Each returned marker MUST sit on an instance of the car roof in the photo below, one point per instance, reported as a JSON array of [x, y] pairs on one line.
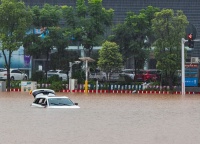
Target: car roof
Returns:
[[10, 69], [57, 70], [49, 96]]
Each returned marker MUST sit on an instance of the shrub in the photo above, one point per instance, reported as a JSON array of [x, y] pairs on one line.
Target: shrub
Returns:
[[54, 78], [56, 86], [15, 84], [38, 76]]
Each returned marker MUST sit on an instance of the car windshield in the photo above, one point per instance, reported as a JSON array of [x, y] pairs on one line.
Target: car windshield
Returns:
[[60, 102], [52, 71]]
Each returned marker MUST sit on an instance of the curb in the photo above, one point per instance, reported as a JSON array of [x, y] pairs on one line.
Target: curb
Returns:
[[116, 91]]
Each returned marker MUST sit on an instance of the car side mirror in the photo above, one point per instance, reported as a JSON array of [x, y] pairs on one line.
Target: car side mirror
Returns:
[[75, 103]]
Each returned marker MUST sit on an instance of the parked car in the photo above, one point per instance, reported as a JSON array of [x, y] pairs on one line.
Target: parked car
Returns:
[[97, 75], [139, 76], [147, 75], [61, 74], [128, 74], [15, 74], [46, 98]]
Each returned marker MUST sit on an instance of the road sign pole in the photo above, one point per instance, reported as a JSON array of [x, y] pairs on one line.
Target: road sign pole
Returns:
[[183, 66]]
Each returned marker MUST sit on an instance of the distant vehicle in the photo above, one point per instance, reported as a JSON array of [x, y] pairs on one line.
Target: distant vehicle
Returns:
[[128, 74], [46, 98], [97, 75], [148, 75], [15, 74], [114, 76], [61, 74]]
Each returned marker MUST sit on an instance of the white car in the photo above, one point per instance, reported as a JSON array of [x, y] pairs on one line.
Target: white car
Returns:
[[15, 74], [129, 73], [46, 98], [61, 74], [98, 75]]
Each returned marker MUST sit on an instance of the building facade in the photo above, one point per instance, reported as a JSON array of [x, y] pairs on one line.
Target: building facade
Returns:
[[191, 9]]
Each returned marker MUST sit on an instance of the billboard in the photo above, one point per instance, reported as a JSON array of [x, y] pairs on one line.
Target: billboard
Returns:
[[18, 59]]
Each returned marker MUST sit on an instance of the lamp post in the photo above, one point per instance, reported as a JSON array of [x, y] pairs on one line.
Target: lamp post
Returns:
[[183, 66], [70, 66], [86, 60], [70, 71]]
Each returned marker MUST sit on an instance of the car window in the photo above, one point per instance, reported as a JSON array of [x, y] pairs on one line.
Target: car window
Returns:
[[60, 102], [41, 101], [14, 71], [52, 71], [62, 72], [128, 71]]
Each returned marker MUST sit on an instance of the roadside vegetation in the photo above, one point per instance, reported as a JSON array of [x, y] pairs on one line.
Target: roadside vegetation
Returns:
[[150, 31]]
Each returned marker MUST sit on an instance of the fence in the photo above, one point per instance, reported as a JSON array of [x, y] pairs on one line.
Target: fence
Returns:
[[105, 87], [99, 87]]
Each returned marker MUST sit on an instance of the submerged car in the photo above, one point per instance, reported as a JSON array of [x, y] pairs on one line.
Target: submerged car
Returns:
[[46, 98]]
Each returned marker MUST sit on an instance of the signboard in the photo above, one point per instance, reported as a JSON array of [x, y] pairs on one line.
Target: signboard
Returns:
[[18, 59], [191, 65], [191, 82]]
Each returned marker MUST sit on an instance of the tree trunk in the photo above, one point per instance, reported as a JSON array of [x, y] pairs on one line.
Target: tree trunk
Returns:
[[170, 83], [47, 63], [7, 66]]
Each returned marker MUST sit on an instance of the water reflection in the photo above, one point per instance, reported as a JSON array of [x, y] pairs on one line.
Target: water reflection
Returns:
[[102, 119]]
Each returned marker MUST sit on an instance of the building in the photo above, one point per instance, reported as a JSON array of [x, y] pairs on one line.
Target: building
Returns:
[[190, 9]]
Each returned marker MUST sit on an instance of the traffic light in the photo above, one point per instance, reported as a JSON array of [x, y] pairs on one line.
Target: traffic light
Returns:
[[190, 41]]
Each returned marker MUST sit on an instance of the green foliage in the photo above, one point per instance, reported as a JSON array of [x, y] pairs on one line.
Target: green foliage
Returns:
[[88, 23], [79, 75], [15, 84], [56, 86], [134, 36], [109, 57], [169, 28], [54, 78], [15, 19], [47, 16], [38, 76]]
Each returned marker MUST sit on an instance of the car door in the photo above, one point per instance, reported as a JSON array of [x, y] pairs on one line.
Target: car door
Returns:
[[63, 75], [16, 74], [39, 102]]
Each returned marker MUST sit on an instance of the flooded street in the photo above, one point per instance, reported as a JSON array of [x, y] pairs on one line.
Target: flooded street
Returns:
[[102, 119]]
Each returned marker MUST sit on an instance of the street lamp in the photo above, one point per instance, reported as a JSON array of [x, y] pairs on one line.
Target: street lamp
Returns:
[[70, 71], [86, 60], [70, 66]]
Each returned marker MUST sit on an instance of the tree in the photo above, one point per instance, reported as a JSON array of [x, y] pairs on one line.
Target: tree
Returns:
[[109, 57], [169, 28], [15, 19], [131, 36], [60, 37], [47, 18], [88, 22]]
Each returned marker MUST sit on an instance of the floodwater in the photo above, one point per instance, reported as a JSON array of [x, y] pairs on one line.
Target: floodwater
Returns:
[[102, 119]]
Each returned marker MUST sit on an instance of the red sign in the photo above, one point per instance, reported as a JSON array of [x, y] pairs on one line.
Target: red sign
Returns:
[[191, 65]]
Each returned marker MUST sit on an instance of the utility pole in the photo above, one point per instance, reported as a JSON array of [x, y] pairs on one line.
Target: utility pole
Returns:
[[183, 63]]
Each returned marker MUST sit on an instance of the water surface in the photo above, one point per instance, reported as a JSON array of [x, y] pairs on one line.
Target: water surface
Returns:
[[102, 119]]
